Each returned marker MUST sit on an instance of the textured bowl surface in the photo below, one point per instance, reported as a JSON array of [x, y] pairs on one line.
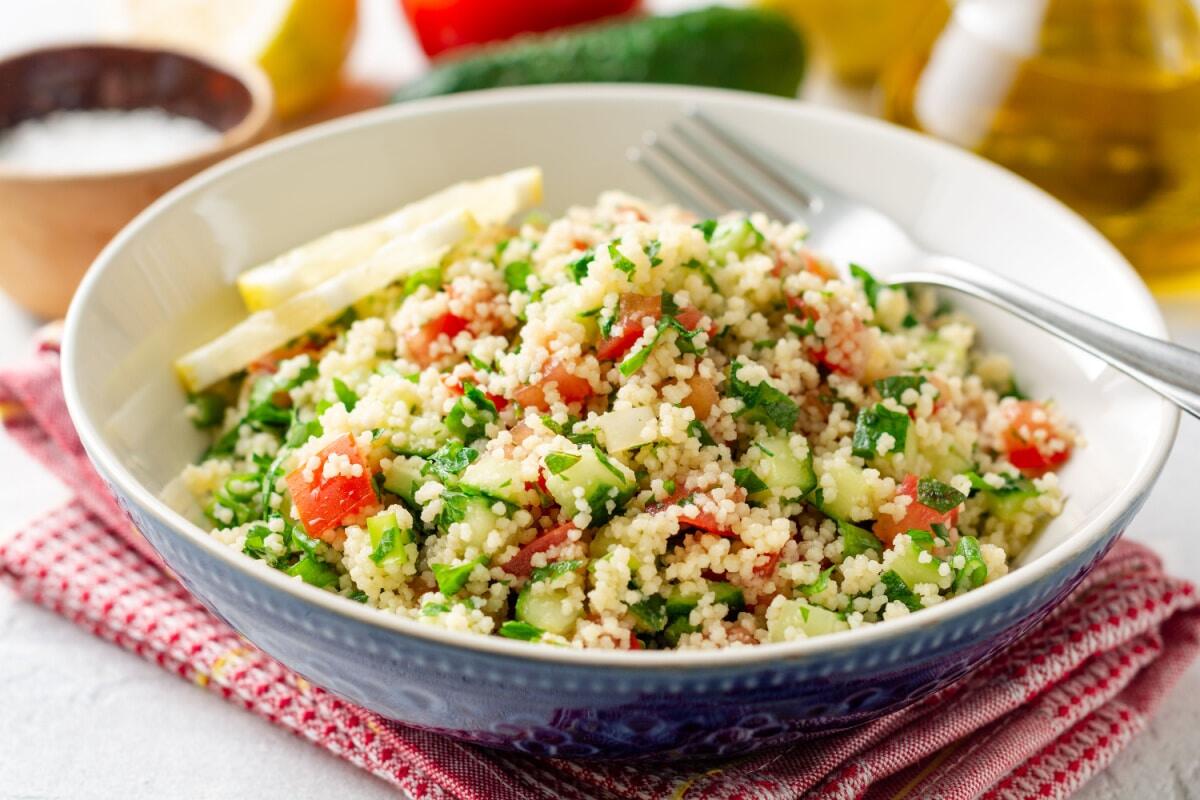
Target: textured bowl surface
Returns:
[[166, 284]]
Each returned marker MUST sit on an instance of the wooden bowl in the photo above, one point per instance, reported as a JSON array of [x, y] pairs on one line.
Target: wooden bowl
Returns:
[[52, 225]]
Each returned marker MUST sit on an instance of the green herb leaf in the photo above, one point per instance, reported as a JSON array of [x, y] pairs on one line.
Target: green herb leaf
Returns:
[[873, 423], [471, 414], [358, 596], [559, 463], [314, 571], [449, 461], [479, 363], [345, 394], [706, 227], [1013, 484], [451, 579], [649, 614], [856, 540], [870, 285], [697, 430], [433, 609], [895, 386], [897, 590], [516, 276], [748, 480], [619, 261], [206, 409], [819, 585], [939, 496], [921, 539], [523, 631], [555, 570], [762, 402], [431, 277], [578, 269], [652, 250], [387, 543]]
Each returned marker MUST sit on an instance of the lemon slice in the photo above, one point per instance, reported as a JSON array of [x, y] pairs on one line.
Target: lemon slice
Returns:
[[300, 44], [490, 201], [269, 329]]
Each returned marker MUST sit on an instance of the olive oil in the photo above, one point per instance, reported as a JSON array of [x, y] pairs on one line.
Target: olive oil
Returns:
[[1097, 101], [856, 37]]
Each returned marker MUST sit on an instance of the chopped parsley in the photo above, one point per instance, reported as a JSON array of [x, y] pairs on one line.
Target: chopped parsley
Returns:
[[939, 496], [516, 276], [895, 386], [578, 269], [431, 277], [449, 461], [522, 631], [706, 227], [697, 430], [749, 480], [872, 424], [347, 396], [819, 585], [762, 402], [619, 261], [856, 540], [554, 570], [559, 463], [469, 417], [451, 579], [898, 591]]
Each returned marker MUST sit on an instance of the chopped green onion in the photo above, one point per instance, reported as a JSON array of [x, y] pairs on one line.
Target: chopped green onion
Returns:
[[974, 570]]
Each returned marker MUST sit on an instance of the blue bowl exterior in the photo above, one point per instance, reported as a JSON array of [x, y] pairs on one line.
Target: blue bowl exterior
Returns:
[[568, 710]]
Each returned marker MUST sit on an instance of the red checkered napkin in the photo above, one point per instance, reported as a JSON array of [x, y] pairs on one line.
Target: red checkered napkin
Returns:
[[1036, 722]]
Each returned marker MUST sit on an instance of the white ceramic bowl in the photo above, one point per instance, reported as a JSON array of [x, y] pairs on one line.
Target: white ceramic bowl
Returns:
[[165, 284]]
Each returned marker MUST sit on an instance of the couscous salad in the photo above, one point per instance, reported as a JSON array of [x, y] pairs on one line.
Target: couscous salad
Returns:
[[623, 428]]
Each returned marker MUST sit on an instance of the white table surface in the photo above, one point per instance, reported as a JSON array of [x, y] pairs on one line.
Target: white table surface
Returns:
[[83, 719]]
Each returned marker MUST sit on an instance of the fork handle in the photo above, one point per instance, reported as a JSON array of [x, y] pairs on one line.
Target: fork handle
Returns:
[[1169, 369]]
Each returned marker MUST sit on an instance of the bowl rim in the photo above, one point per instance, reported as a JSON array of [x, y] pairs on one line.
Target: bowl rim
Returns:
[[257, 120], [1087, 534]]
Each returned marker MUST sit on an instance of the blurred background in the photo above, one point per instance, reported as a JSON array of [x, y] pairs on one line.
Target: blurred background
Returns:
[[1097, 101]]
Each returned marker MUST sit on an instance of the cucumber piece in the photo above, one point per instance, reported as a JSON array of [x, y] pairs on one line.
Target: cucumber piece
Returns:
[[625, 428], [480, 518], [735, 236], [545, 609], [678, 627], [680, 604], [809, 619], [403, 478], [389, 542], [912, 570], [852, 490], [497, 477], [943, 354], [747, 49], [786, 476], [599, 477], [602, 544]]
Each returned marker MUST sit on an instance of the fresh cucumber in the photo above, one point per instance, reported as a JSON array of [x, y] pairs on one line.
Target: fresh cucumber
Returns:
[[787, 476], [680, 604], [809, 619], [738, 237], [912, 570], [389, 542], [545, 608], [852, 490], [600, 478], [498, 477], [403, 478], [749, 49]]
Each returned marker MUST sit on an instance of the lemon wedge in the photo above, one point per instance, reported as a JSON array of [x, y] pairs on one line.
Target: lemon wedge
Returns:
[[300, 44], [491, 201], [271, 328]]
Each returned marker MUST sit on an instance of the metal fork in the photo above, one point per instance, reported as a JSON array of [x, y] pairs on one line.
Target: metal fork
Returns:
[[706, 166]]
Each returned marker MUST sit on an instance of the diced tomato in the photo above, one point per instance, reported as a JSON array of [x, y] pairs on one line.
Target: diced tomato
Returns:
[[420, 341], [325, 502], [702, 397], [1031, 441], [269, 362], [571, 388], [703, 520], [767, 568], [633, 314], [442, 25], [917, 517], [521, 564], [634, 642]]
